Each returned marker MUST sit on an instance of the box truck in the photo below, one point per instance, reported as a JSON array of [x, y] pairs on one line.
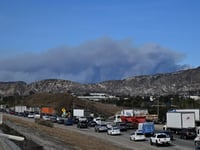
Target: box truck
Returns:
[[146, 128], [196, 112], [177, 121], [78, 113], [19, 110]]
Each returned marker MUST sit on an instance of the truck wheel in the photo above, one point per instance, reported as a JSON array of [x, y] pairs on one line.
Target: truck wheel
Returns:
[[168, 144], [151, 142], [157, 143]]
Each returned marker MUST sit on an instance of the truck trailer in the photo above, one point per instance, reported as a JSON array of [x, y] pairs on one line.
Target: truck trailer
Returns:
[[177, 121], [78, 113], [196, 113], [20, 109]]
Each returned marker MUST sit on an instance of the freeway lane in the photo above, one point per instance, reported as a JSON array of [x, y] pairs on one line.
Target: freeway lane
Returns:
[[123, 140]]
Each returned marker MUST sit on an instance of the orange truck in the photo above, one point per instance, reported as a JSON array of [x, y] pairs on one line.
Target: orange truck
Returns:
[[47, 110]]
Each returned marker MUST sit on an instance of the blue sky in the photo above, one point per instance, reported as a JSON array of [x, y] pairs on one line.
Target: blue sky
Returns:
[[93, 41]]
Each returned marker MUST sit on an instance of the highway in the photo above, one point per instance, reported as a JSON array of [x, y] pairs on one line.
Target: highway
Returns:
[[123, 139]]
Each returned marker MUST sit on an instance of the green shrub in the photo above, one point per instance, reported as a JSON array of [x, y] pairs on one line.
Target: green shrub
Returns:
[[47, 123]]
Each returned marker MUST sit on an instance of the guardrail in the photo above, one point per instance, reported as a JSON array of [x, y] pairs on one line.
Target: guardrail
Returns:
[[12, 137]]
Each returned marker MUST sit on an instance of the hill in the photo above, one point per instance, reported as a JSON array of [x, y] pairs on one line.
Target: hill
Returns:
[[186, 82], [60, 100]]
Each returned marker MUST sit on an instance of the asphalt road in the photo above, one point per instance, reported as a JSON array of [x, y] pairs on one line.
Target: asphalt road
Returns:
[[123, 139]]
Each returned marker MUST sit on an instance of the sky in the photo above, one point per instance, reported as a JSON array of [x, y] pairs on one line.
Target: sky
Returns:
[[91, 41]]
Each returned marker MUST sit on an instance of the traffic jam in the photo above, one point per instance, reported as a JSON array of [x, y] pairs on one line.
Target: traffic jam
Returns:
[[124, 124]]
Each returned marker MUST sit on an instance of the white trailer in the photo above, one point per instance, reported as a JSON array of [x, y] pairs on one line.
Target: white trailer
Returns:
[[179, 120], [78, 113], [20, 109], [196, 112]]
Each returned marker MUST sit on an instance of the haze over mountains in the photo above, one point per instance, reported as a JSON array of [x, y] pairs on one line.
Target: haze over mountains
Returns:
[[91, 62], [186, 82]]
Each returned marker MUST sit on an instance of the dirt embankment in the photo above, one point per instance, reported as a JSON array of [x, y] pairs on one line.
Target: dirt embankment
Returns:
[[57, 138]]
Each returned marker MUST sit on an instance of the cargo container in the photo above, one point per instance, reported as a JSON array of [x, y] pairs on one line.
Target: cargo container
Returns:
[[20, 109], [47, 110], [78, 113], [196, 112], [177, 121]]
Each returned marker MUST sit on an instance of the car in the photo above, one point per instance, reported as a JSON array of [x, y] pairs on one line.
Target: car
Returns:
[[122, 126], [92, 123], [69, 122], [187, 133], [53, 118], [37, 116], [46, 117], [113, 131], [160, 139], [169, 133], [60, 120], [137, 136], [82, 124], [197, 148], [31, 115], [100, 128]]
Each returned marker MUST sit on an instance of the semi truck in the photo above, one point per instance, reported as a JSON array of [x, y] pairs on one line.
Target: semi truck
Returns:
[[132, 117], [176, 121], [20, 109], [47, 110]]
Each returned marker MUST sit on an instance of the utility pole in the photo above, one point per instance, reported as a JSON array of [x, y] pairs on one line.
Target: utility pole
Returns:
[[158, 109]]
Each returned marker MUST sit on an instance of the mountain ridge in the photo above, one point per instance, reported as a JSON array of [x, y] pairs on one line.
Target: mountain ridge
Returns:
[[184, 82]]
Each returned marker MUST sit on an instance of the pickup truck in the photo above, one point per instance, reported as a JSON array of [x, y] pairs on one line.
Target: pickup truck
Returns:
[[160, 139]]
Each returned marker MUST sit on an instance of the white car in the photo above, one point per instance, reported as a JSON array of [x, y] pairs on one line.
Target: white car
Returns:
[[46, 117], [30, 115], [113, 131], [137, 136], [160, 138], [37, 116]]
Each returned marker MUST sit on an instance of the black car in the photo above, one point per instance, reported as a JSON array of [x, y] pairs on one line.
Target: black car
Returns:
[[92, 123], [169, 133], [188, 133], [82, 124], [122, 126]]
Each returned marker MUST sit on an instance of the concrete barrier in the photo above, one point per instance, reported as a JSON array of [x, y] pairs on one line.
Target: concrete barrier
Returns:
[[12, 137]]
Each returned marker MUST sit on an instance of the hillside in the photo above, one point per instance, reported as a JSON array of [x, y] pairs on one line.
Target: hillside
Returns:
[[59, 100], [186, 82]]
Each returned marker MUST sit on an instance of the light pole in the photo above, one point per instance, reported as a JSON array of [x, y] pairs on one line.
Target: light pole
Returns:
[[158, 109]]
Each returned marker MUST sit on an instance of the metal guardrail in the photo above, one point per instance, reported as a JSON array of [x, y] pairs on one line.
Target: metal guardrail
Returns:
[[12, 137]]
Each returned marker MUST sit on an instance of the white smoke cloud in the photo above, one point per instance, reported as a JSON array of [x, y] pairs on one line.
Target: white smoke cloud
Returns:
[[94, 61]]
